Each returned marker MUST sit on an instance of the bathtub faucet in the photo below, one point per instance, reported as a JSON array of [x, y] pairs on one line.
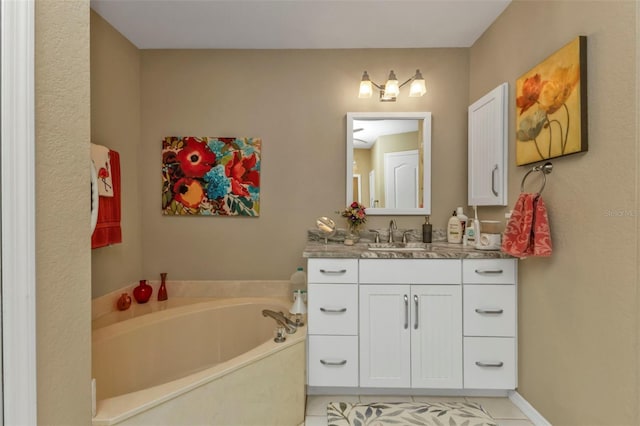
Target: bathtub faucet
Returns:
[[281, 319]]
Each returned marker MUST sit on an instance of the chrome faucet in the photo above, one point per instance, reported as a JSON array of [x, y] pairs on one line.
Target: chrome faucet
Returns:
[[392, 227], [281, 319]]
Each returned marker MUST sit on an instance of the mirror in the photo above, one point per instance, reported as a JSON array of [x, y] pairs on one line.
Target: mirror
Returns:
[[389, 162]]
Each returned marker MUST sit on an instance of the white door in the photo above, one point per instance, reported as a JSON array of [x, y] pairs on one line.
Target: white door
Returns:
[[372, 189], [385, 336], [436, 336], [401, 179]]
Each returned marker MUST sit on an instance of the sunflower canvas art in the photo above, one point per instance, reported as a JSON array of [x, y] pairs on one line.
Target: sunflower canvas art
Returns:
[[211, 176], [551, 106]]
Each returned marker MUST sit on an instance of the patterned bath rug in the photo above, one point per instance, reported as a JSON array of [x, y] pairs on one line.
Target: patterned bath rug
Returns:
[[408, 413]]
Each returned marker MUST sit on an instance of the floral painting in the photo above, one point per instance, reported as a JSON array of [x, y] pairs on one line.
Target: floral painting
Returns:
[[211, 176], [551, 106]]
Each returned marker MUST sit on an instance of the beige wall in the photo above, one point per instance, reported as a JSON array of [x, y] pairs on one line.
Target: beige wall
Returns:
[[115, 123], [578, 310], [63, 265], [296, 101]]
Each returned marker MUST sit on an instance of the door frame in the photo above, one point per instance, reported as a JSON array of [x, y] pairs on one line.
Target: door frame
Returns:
[[17, 146]]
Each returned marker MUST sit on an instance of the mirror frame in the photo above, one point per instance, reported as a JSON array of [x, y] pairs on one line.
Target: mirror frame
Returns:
[[426, 140]]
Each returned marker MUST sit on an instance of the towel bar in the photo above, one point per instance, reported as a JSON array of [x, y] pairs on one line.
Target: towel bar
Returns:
[[546, 168]]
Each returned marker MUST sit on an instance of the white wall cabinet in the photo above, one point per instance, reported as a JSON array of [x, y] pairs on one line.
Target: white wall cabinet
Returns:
[[412, 323], [487, 149]]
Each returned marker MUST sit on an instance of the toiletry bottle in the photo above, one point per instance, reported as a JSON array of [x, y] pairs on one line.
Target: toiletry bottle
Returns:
[[426, 231], [454, 230], [470, 232], [463, 224], [298, 281]]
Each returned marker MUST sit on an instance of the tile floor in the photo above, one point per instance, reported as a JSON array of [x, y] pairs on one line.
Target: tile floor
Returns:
[[501, 409]]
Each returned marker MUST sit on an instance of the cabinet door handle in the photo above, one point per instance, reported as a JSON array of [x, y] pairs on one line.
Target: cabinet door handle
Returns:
[[323, 362], [493, 180], [489, 271], [415, 300], [489, 311], [489, 364], [406, 311], [333, 311], [330, 272]]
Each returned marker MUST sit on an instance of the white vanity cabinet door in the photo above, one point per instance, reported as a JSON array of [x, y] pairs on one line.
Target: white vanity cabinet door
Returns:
[[332, 309], [436, 336], [490, 310], [490, 363], [487, 148], [489, 271], [385, 336], [337, 271], [411, 336], [333, 361]]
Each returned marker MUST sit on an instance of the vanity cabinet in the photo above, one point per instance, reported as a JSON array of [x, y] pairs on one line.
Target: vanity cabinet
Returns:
[[487, 149], [490, 323], [410, 323], [437, 323]]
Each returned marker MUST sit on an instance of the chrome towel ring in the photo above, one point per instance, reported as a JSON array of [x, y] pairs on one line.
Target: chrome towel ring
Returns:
[[546, 168]]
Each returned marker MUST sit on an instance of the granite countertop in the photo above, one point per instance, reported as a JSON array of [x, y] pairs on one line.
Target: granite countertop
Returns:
[[335, 248]]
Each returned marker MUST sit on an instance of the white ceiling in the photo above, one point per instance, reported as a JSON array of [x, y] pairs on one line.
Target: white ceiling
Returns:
[[299, 24], [366, 132]]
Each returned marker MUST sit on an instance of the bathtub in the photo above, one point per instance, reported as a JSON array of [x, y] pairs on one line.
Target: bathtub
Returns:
[[212, 362]]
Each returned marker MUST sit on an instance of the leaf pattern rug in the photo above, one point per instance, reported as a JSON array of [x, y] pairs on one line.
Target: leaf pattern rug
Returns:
[[408, 413]]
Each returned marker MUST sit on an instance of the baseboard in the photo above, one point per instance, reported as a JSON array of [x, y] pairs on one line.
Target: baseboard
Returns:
[[528, 410]]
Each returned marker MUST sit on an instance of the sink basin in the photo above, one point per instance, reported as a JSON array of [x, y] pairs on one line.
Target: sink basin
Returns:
[[398, 246]]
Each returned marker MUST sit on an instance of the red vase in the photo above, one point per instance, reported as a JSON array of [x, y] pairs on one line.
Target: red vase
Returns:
[[142, 293], [162, 292], [124, 302]]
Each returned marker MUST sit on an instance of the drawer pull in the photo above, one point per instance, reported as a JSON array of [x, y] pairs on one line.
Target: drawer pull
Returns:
[[336, 272], [489, 311], [489, 364], [333, 311], [489, 271], [343, 362]]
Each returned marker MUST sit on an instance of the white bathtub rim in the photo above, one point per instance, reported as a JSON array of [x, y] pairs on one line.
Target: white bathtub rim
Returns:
[[149, 319], [131, 404]]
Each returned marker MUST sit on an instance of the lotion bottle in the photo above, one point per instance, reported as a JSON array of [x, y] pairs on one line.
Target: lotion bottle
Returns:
[[454, 229]]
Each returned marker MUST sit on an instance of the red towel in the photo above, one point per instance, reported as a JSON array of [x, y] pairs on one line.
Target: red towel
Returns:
[[527, 232], [108, 229]]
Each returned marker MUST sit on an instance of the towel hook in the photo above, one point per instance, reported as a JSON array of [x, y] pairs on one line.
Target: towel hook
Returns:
[[545, 169]]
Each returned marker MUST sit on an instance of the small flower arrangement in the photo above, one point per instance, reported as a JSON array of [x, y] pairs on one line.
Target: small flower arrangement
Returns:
[[355, 214]]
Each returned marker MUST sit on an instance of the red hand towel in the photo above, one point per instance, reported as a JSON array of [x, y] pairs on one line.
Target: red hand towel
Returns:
[[108, 229], [527, 232]]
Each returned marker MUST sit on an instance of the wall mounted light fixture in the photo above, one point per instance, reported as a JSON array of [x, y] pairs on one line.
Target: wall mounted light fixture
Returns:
[[391, 89]]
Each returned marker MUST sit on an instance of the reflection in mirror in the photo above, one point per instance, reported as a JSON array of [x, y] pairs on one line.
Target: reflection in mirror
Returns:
[[389, 162]]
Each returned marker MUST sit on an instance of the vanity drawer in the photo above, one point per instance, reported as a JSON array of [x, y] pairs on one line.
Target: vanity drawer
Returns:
[[489, 271], [410, 271], [332, 309], [490, 363], [333, 270], [489, 310], [333, 361]]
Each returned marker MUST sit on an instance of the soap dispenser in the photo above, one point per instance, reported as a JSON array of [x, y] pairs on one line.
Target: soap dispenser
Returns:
[[426, 231]]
